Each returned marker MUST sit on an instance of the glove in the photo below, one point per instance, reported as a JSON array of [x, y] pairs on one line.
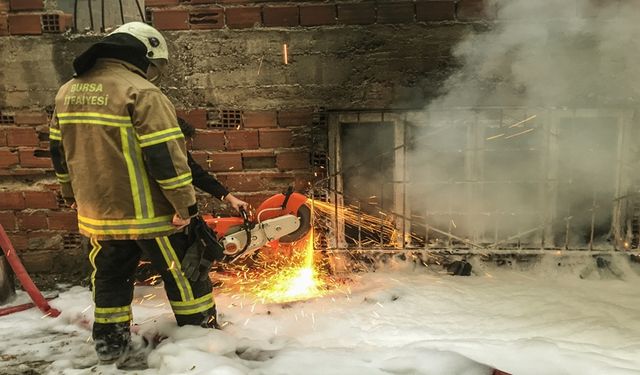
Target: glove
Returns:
[[194, 266]]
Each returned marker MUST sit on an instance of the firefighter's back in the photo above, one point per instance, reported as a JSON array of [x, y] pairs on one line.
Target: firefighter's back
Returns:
[[115, 195]]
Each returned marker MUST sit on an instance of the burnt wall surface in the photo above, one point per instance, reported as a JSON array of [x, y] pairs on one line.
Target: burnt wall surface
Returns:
[[258, 118]]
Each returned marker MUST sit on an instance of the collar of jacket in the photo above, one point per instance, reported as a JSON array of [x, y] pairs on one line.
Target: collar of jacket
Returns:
[[104, 62]]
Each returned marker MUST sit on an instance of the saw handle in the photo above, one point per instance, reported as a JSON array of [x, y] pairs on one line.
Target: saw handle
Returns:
[[247, 227]]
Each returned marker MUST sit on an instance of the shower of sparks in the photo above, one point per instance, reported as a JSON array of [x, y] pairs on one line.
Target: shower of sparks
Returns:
[[384, 225], [520, 133], [495, 136], [279, 278], [523, 121]]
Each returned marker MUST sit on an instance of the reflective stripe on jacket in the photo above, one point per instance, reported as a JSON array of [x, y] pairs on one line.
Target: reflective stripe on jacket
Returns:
[[118, 151]]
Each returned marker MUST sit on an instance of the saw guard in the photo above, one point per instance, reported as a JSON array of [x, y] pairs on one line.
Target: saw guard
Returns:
[[222, 225], [229, 229], [272, 207], [296, 205]]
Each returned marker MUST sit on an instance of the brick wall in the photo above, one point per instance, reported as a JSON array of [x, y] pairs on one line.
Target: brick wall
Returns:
[[257, 118]]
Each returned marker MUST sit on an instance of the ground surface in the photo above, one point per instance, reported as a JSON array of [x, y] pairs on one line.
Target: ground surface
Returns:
[[403, 320]]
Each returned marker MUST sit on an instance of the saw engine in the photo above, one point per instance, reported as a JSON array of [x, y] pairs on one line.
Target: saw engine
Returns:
[[281, 218]]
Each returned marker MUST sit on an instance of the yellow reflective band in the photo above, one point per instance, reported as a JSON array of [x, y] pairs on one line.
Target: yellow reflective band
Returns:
[[95, 122], [201, 304], [126, 226], [159, 133], [55, 134], [63, 178], [175, 182], [171, 259], [112, 310], [93, 114], [174, 179], [133, 180], [145, 181], [160, 140], [114, 232], [131, 222], [199, 300], [160, 137], [92, 259], [113, 314]]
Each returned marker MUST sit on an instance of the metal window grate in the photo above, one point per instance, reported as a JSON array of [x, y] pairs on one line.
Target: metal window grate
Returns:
[[224, 119]]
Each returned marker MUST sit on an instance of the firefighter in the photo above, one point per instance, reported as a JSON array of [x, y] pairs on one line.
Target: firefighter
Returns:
[[121, 160]]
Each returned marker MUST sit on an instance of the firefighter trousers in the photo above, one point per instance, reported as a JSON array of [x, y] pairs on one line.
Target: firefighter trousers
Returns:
[[114, 264]]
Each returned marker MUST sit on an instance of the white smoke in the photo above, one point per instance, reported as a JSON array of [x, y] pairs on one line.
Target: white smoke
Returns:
[[534, 129]]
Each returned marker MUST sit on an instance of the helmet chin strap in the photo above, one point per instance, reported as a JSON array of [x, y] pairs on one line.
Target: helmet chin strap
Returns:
[[153, 74], [155, 70]]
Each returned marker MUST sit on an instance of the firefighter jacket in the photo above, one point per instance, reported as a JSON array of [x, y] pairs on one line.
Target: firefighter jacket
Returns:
[[118, 152]]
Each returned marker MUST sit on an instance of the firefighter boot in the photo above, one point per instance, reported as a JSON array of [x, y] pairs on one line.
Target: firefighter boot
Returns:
[[112, 342]]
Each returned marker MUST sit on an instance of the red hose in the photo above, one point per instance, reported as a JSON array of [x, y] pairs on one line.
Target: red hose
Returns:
[[24, 278]]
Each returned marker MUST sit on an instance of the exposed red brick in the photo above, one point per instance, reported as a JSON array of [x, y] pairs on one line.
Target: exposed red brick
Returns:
[[253, 199], [4, 6], [201, 158], [273, 138], [292, 160], [8, 159], [226, 162], [255, 181], [243, 17], [242, 139], [8, 220], [25, 24], [63, 220], [473, 10], [22, 137], [17, 5], [40, 199], [36, 220], [234, 1], [284, 16], [31, 158], [12, 200], [357, 14], [257, 153], [207, 18], [196, 117], [156, 3], [317, 15], [171, 19], [194, 2], [209, 140], [19, 241], [4, 25], [435, 10], [396, 12], [38, 261], [295, 118], [259, 119], [301, 137]]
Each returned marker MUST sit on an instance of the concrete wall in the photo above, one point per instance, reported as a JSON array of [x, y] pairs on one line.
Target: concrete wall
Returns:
[[256, 116]]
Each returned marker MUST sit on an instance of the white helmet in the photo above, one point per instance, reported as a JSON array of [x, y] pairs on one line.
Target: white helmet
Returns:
[[152, 39]]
